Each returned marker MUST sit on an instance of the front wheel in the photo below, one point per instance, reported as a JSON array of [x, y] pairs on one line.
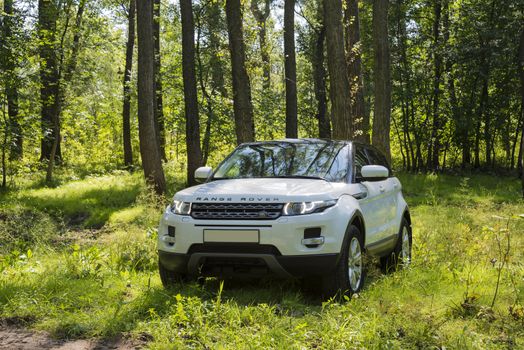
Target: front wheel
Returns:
[[169, 278], [400, 257], [349, 274]]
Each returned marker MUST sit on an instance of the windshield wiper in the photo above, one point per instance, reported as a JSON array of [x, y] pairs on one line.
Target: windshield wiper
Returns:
[[299, 177], [271, 177]]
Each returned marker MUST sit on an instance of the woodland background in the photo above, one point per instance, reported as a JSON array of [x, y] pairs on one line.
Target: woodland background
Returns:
[[94, 92], [435, 83]]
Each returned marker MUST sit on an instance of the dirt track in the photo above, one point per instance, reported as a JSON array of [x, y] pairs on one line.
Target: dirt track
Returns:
[[14, 338]]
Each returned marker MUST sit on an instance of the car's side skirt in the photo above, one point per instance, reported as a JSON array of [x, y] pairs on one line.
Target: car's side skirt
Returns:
[[382, 247]]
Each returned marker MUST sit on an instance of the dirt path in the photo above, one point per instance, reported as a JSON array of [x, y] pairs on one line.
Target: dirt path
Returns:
[[13, 338]]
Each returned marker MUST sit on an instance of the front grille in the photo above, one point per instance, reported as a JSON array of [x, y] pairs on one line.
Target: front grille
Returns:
[[236, 211]]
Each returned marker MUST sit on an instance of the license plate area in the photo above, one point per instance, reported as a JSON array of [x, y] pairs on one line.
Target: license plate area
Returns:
[[232, 236]]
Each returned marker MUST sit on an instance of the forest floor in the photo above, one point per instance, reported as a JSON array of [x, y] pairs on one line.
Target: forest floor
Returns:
[[16, 338], [78, 271]]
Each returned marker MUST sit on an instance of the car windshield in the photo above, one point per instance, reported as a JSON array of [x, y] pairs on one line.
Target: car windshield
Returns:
[[326, 161]]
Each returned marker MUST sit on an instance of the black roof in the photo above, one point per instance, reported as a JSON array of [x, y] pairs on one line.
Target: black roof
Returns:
[[300, 140]]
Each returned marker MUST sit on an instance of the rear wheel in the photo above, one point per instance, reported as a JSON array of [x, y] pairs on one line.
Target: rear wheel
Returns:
[[400, 257], [169, 278], [348, 277]]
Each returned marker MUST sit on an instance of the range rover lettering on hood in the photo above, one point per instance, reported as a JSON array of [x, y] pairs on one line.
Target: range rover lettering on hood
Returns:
[[241, 199]]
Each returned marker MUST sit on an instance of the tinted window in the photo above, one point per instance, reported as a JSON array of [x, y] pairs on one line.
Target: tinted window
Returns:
[[339, 167], [361, 159], [377, 158]]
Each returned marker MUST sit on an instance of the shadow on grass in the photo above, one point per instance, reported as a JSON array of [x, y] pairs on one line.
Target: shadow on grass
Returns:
[[81, 308]]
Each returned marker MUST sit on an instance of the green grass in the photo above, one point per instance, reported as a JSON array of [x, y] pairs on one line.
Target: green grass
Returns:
[[86, 267]]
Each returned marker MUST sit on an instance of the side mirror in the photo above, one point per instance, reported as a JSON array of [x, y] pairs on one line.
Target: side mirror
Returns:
[[203, 173], [374, 172]]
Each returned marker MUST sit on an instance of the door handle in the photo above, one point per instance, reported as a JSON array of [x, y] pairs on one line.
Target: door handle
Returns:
[[395, 185], [382, 188]]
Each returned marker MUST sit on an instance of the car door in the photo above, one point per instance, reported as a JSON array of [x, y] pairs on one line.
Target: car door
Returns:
[[388, 188], [370, 197]]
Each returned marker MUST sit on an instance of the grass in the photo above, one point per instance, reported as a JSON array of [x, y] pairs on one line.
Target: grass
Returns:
[[85, 266]]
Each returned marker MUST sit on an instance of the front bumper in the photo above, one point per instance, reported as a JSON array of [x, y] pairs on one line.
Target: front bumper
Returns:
[[248, 264], [280, 248]]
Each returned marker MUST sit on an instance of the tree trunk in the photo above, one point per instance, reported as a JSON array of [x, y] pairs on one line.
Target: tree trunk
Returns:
[[73, 59], [319, 81], [521, 75], [215, 24], [5, 140], [453, 101], [159, 105], [435, 142], [290, 69], [49, 76], [8, 65], [214, 27], [194, 153], [482, 114], [149, 148], [516, 138], [338, 77], [407, 93], [261, 17], [356, 80], [242, 105], [382, 81], [126, 111], [54, 147], [66, 69]]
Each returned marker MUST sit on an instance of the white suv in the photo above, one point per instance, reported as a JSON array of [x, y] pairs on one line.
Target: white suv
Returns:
[[306, 208]]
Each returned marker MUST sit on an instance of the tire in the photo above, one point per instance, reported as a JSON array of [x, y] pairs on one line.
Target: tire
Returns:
[[349, 274], [169, 278], [400, 257]]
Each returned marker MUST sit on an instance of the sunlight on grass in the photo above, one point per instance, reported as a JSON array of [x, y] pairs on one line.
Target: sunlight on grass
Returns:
[[131, 215]]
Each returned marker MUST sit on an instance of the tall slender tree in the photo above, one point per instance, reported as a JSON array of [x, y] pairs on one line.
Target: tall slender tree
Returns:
[[319, 79], [49, 76], [149, 147], [354, 60], [382, 80], [194, 152], [338, 77], [434, 141], [290, 65], [8, 64], [126, 110], [242, 104], [521, 76], [159, 104], [261, 17]]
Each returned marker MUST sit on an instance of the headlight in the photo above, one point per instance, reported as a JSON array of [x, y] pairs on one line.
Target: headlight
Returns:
[[181, 208], [301, 208]]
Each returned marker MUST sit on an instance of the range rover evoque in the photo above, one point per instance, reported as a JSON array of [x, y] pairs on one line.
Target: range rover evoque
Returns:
[[302, 208]]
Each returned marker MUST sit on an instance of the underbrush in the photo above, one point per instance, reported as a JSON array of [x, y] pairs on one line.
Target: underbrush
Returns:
[[98, 276]]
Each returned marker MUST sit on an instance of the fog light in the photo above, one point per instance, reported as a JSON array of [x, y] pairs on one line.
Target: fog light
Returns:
[[313, 242], [168, 240]]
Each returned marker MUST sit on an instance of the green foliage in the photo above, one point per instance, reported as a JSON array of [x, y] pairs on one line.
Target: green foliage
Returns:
[[22, 228]]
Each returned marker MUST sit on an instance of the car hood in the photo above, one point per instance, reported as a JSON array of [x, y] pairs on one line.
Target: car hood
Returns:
[[261, 190]]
